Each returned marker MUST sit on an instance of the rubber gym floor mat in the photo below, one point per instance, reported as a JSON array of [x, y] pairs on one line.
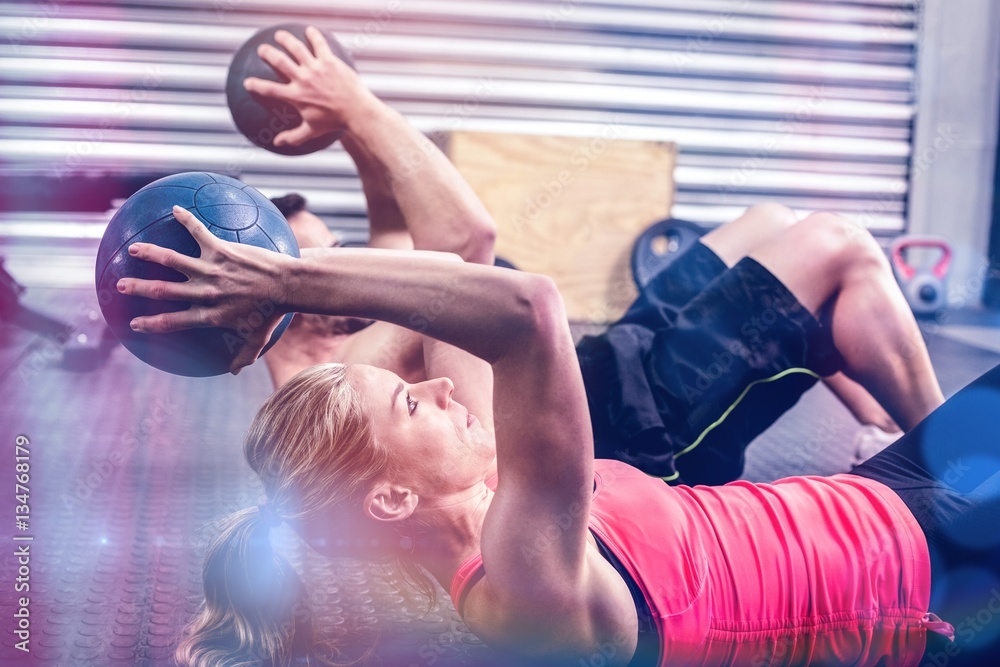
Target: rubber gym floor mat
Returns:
[[128, 469], [957, 363]]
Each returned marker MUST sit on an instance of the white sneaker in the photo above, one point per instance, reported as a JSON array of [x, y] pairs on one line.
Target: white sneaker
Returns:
[[869, 441]]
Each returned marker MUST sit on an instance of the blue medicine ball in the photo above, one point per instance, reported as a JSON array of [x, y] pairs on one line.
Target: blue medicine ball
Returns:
[[231, 210]]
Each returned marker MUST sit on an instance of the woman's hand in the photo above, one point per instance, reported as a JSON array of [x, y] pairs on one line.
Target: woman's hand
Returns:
[[327, 93], [227, 283]]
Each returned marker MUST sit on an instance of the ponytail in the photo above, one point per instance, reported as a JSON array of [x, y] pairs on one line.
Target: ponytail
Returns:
[[312, 445], [254, 611]]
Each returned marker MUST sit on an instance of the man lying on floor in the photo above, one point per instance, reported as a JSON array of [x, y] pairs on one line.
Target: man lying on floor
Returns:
[[713, 351]]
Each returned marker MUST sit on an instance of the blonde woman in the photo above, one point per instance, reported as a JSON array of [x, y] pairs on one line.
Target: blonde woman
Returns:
[[483, 477]]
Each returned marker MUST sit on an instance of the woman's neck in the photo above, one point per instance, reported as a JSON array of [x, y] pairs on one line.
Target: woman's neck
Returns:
[[449, 534]]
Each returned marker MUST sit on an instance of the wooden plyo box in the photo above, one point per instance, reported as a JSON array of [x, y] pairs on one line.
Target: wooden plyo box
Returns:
[[569, 207]]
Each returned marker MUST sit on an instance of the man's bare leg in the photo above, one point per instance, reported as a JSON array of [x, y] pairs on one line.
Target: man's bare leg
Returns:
[[836, 269], [861, 403], [759, 226]]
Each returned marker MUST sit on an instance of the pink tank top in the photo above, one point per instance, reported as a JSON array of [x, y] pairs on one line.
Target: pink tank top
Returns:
[[807, 570]]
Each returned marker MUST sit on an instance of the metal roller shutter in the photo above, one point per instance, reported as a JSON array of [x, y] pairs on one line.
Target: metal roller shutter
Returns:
[[806, 103]]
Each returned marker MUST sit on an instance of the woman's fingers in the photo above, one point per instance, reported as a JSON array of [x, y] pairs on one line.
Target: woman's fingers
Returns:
[[160, 290], [299, 51], [196, 228], [278, 60], [166, 257], [319, 44], [193, 318]]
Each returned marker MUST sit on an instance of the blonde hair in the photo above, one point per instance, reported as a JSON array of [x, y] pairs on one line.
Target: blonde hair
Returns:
[[312, 445]]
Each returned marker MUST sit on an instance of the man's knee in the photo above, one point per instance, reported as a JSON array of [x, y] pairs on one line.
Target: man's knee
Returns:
[[773, 210], [776, 216], [758, 227], [837, 242]]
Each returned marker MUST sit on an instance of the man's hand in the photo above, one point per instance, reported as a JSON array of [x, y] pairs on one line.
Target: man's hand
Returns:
[[228, 281], [327, 93]]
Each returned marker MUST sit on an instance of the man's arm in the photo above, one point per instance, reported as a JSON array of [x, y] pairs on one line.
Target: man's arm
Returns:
[[410, 185], [416, 198], [403, 172], [387, 226], [463, 228]]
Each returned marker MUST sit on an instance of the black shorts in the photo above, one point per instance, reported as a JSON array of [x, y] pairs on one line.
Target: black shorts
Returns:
[[947, 472], [703, 362]]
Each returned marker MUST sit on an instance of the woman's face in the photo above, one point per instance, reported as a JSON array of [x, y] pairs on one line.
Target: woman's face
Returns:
[[437, 445]]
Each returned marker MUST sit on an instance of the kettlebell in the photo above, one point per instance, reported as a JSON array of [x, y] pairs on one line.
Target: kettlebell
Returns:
[[925, 288]]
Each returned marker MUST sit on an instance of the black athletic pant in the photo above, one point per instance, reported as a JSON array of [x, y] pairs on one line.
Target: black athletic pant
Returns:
[[947, 471]]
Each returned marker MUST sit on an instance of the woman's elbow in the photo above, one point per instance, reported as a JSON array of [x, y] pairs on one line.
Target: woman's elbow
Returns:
[[547, 312]]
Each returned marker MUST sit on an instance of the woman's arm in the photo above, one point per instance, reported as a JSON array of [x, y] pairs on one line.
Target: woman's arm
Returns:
[[515, 321], [541, 584]]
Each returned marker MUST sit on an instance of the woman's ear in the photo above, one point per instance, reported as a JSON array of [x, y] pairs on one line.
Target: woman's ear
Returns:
[[387, 502]]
